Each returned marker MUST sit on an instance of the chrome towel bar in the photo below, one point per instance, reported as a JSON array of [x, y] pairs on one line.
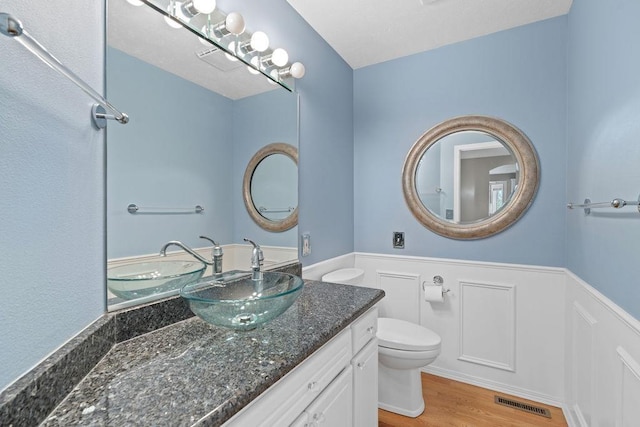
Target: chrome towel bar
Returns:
[[11, 27], [616, 203], [135, 209]]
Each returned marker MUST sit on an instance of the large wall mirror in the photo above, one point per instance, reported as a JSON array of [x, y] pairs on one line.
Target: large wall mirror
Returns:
[[197, 118], [470, 177]]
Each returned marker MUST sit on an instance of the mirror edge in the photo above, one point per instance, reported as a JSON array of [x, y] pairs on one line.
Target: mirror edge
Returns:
[[267, 224], [517, 142]]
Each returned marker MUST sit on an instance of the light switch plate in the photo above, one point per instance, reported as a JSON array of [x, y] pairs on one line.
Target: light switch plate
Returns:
[[306, 244], [398, 239]]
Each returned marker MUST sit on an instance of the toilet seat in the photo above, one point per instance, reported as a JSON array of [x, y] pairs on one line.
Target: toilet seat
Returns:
[[402, 335], [346, 276]]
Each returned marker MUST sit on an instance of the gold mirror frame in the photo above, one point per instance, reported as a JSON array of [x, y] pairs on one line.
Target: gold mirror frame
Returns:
[[265, 223], [528, 182]]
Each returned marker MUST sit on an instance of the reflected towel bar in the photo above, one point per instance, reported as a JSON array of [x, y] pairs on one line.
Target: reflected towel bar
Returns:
[[615, 203], [11, 27], [275, 210], [135, 209]]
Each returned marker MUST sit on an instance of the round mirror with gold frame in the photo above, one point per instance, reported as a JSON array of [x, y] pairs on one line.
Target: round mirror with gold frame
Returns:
[[470, 177], [270, 187]]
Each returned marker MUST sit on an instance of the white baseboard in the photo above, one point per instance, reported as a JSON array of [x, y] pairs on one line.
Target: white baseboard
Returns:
[[493, 385]]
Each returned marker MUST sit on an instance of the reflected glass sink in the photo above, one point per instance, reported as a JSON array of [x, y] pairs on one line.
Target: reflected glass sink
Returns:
[[234, 300], [142, 279]]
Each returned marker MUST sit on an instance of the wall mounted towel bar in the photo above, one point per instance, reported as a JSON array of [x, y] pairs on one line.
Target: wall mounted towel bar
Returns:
[[275, 210], [135, 209], [615, 203], [11, 27]]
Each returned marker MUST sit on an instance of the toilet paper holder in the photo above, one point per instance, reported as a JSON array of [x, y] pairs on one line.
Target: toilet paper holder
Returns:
[[437, 281]]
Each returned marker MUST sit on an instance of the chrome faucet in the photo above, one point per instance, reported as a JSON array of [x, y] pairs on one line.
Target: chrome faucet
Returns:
[[217, 253], [257, 258]]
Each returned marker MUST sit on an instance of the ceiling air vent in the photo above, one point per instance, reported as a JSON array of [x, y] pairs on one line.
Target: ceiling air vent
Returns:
[[544, 412], [215, 57]]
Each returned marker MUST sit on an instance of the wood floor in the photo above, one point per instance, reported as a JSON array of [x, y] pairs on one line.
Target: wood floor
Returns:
[[452, 403]]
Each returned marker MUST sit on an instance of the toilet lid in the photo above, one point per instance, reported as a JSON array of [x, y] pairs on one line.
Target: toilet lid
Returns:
[[403, 335], [344, 275]]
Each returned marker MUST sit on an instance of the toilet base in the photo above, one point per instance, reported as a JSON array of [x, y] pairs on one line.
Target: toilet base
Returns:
[[400, 391]]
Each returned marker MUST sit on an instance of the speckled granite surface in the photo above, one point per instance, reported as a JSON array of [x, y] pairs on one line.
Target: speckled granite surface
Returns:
[[192, 371], [32, 397], [28, 401]]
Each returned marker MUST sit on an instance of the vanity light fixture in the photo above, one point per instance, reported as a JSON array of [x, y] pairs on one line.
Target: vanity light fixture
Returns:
[[232, 48], [255, 65], [279, 58], [135, 2], [232, 24], [259, 42], [194, 7], [176, 10], [252, 49], [295, 70]]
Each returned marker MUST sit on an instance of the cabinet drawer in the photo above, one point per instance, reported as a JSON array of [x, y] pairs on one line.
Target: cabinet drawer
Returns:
[[364, 329], [283, 402]]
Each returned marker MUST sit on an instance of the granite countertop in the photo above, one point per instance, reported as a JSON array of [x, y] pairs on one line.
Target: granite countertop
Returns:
[[192, 371]]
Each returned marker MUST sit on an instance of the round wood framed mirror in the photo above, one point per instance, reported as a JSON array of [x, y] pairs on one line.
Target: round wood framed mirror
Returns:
[[270, 187], [470, 177]]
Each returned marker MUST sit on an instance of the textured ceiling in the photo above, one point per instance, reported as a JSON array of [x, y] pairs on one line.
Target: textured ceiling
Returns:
[[369, 32]]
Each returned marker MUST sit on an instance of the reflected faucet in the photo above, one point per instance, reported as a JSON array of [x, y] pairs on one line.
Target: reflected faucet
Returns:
[[217, 253], [257, 258]]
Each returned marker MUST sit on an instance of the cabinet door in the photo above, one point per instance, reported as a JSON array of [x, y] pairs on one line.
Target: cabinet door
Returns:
[[365, 386], [334, 406]]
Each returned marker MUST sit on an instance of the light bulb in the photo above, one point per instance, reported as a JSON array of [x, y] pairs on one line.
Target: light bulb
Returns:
[[206, 35], [256, 63], [274, 75], [280, 57], [175, 10], [234, 23], [297, 70], [135, 2], [232, 48], [204, 6], [259, 41], [171, 22]]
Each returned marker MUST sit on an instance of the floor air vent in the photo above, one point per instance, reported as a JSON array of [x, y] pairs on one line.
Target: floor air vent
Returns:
[[543, 412]]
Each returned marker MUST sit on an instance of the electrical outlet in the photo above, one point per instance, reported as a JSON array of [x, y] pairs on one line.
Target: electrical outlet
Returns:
[[398, 239], [306, 244]]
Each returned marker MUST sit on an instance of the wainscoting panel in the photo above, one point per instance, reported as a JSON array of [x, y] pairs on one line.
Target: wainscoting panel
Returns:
[[574, 347], [402, 295], [487, 320], [629, 396], [508, 320], [582, 353], [603, 374]]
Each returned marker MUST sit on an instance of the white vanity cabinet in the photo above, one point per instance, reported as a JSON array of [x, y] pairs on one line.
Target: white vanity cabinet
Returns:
[[332, 387], [365, 369], [333, 407]]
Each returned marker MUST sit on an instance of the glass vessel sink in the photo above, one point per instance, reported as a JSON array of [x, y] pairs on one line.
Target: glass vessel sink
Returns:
[[142, 279], [235, 300]]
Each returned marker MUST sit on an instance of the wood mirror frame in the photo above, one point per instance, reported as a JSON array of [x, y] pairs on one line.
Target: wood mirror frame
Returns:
[[265, 223], [513, 138]]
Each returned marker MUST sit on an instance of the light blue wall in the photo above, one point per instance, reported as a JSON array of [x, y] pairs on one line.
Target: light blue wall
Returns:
[[518, 75], [604, 146], [326, 125], [258, 121], [175, 152], [52, 256]]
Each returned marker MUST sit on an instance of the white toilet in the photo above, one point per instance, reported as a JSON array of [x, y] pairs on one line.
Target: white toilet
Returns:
[[403, 348]]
